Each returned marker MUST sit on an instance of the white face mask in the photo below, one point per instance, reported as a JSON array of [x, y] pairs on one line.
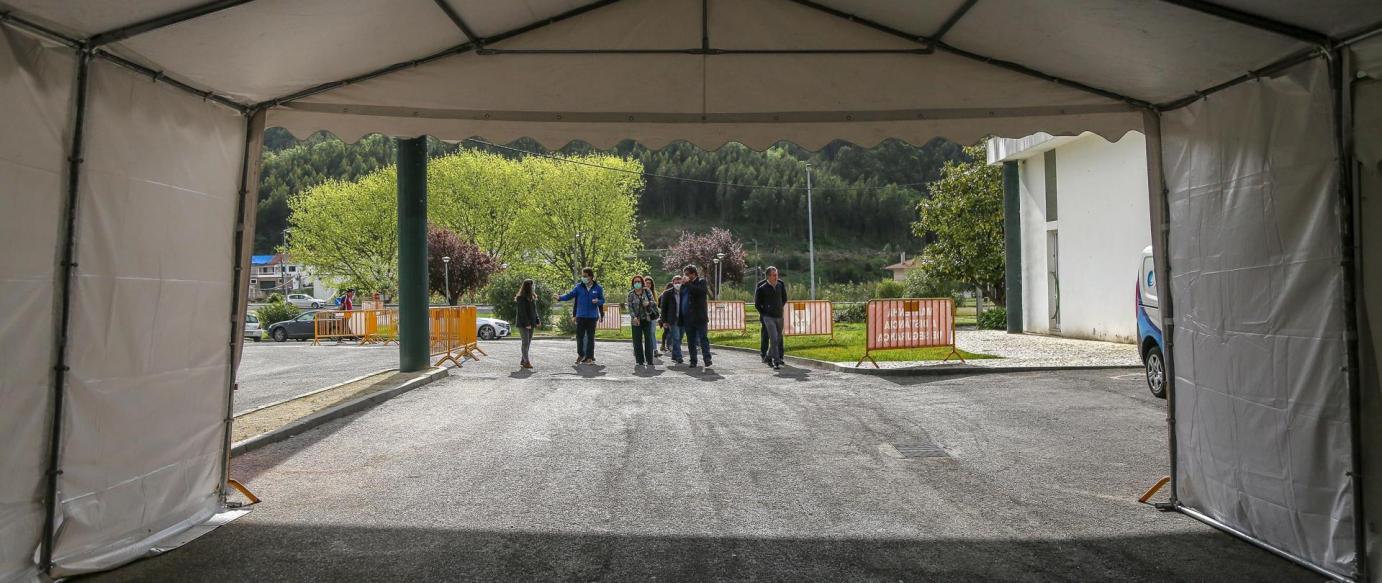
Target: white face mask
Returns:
[[676, 286]]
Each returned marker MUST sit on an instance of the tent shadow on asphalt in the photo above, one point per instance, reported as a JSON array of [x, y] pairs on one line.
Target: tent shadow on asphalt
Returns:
[[326, 552]]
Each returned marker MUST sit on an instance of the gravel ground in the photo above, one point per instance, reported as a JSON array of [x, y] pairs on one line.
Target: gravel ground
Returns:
[[1024, 350], [613, 473]]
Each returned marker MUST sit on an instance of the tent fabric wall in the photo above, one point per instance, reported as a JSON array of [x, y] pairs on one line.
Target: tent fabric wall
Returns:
[[148, 336], [1262, 403], [36, 88]]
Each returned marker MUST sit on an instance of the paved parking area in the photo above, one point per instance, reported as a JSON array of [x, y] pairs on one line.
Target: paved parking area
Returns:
[[272, 371], [737, 473]]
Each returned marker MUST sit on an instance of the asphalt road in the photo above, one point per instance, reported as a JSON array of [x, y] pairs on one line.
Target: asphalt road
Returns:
[[272, 371], [739, 473]]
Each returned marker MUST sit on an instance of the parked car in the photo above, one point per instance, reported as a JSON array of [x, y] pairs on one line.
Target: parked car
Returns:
[[491, 328], [305, 301], [252, 330], [1149, 339], [299, 328]]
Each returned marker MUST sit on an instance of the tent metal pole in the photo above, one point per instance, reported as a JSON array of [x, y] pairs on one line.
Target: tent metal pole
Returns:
[[38, 29], [1160, 207], [953, 20], [1197, 515], [243, 240], [413, 351], [1012, 245], [1340, 71], [160, 77], [1259, 22], [68, 268], [456, 50], [883, 28], [460, 23], [158, 22]]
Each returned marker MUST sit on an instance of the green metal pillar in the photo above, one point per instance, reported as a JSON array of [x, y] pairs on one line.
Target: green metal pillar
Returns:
[[413, 353], [1012, 243]]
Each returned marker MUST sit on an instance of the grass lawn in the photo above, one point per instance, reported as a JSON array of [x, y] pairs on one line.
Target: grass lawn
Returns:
[[847, 346]]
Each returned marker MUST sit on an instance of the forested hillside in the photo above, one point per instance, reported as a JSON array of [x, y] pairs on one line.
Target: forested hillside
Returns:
[[864, 199]]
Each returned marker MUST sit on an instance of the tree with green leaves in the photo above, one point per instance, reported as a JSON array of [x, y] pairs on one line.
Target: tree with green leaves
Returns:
[[480, 197], [347, 231], [581, 216], [964, 214]]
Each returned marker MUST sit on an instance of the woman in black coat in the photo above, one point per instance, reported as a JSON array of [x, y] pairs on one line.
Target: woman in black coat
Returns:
[[528, 319]]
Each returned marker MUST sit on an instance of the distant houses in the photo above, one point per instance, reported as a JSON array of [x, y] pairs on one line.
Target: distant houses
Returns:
[[278, 274], [902, 266]]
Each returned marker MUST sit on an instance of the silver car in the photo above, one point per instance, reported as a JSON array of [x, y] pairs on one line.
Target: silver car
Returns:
[[252, 330]]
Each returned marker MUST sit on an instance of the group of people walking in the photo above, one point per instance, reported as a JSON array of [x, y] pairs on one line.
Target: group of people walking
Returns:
[[680, 310]]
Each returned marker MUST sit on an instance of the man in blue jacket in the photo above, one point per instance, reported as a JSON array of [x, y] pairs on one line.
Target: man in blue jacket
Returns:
[[695, 315], [589, 297]]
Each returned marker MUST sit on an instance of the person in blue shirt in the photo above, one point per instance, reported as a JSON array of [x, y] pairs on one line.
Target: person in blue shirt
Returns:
[[589, 297]]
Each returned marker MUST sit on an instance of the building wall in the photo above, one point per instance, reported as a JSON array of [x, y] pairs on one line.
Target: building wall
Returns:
[[1103, 225], [1031, 172]]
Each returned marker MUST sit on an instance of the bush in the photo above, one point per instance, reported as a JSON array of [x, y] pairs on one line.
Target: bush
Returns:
[[855, 312], [275, 298], [888, 289], [503, 286], [994, 319], [922, 284], [275, 312], [565, 322]]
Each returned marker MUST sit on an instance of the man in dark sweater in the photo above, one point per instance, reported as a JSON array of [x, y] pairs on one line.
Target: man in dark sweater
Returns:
[[762, 334], [770, 299], [694, 313], [670, 306]]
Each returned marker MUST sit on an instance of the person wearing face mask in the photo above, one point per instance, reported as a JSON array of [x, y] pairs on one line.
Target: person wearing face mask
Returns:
[[588, 297], [642, 311], [651, 286], [668, 304]]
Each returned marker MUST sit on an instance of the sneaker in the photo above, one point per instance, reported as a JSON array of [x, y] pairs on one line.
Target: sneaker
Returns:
[[590, 360], [777, 366], [707, 362], [693, 364]]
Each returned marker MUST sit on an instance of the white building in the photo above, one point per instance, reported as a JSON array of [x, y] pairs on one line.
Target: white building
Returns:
[[1085, 221], [270, 274]]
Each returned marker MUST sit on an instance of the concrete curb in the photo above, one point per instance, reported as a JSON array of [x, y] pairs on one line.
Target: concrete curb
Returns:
[[315, 391], [933, 370], [334, 412]]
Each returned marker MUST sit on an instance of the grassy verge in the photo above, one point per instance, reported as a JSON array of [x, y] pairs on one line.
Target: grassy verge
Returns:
[[847, 345]]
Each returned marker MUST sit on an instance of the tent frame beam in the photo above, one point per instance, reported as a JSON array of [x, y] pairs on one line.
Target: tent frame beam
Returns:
[[1280, 65], [456, 50], [157, 22], [1256, 21], [928, 45], [952, 20], [156, 76], [455, 17]]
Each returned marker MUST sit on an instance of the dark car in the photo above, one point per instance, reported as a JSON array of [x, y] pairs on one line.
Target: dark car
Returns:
[[299, 328]]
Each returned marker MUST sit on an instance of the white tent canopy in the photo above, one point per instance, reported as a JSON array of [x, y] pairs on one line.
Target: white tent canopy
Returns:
[[129, 161]]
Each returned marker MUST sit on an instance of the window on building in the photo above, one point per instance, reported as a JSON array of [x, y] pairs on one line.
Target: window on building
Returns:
[[1049, 160]]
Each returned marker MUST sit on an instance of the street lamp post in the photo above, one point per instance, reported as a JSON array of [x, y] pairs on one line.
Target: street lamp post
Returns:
[[446, 277], [718, 258], [810, 232]]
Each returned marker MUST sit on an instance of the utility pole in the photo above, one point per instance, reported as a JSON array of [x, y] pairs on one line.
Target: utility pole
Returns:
[[810, 232]]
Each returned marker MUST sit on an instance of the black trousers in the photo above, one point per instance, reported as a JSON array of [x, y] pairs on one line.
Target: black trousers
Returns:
[[585, 337]]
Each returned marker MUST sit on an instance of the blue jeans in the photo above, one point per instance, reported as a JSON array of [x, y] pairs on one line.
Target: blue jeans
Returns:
[[672, 335], [697, 336], [643, 336]]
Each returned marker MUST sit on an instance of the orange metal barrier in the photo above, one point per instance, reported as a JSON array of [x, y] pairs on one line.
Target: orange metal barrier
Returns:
[[453, 332], [910, 323], [808, 318], [614, 317], [725, 315], [367, 326]]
